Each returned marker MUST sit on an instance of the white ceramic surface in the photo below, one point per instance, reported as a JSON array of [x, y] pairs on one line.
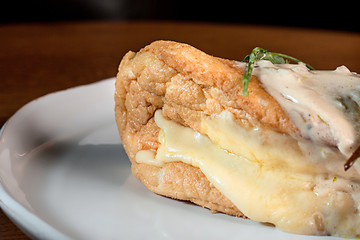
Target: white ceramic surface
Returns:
[[65, 175]]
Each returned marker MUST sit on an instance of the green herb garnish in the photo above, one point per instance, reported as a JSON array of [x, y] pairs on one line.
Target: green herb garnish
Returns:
[[262, 54]]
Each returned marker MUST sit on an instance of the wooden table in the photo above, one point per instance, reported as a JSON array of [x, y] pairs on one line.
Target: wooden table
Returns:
[[36, 59]]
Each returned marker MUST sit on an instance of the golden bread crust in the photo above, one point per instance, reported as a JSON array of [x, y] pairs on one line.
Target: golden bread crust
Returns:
[[186, 84]]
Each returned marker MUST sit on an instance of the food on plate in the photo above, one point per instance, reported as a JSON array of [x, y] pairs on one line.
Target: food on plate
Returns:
[[263, 139]]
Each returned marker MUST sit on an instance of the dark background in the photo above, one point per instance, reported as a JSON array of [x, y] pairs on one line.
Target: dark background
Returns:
[[333, 15]]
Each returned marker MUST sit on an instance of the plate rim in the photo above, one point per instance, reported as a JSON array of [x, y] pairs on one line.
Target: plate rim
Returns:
[[23, 218]]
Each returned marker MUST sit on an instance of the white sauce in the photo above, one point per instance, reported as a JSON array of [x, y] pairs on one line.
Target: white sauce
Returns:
[[324, 105]]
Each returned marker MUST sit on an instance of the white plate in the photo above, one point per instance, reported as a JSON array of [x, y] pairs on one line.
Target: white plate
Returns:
[[65, 175]]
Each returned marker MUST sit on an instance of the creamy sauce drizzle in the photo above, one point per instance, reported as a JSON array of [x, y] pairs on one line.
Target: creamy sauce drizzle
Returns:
[[324, 105]]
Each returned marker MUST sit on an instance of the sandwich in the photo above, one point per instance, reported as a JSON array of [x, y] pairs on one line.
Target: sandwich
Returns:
[[263, 139]]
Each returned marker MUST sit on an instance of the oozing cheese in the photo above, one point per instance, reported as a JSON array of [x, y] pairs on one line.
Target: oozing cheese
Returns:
[[270, 177]]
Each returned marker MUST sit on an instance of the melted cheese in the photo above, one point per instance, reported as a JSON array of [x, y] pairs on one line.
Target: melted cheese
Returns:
[[270, 177]]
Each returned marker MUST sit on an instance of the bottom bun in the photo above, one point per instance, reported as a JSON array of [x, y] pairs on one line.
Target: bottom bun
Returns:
[[184, 182]]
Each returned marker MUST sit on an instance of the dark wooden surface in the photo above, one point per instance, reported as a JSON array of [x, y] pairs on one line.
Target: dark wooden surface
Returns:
[[36, 59]]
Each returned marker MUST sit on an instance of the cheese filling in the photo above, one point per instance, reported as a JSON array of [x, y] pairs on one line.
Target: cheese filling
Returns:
[[270, 177]]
